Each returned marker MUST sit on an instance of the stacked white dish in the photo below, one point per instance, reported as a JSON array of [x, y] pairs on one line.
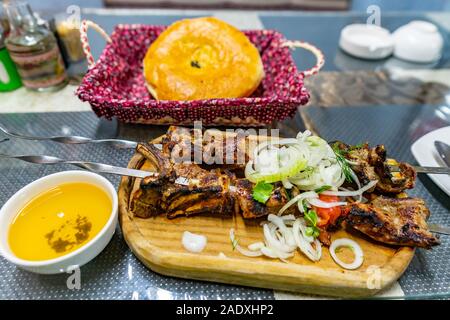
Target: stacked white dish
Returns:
[[417, 41]]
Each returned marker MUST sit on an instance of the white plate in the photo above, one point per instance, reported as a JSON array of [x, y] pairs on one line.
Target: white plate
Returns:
[[426, 155]]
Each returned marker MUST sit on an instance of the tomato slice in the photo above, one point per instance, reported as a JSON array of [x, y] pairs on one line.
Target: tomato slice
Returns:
[[327, 216]]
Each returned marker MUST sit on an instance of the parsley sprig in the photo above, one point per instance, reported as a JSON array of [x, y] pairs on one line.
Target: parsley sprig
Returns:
[[234, 243], [311, 222], [262, 191]]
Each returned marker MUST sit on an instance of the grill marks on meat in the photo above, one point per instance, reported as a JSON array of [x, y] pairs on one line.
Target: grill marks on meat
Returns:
[[198, 191], [372, 164], [180, 189], [206, 191], [229, 150], [251, 208], [397, 221]]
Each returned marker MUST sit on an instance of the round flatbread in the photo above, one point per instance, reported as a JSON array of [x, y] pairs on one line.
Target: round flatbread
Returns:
[[202, 58]]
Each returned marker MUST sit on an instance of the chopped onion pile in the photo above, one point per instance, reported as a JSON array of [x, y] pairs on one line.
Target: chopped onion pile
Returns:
[[282, 236], [307, 162]]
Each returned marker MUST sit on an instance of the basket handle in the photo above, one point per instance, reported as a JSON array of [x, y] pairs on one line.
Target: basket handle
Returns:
[[85, 24], [320, 59]]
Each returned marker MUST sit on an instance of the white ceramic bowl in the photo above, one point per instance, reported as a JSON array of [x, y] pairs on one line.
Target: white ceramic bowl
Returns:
[[75, 258], [366, 41], [418, 41]]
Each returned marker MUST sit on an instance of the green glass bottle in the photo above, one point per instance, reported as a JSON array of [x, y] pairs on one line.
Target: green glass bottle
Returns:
[[9, 78]]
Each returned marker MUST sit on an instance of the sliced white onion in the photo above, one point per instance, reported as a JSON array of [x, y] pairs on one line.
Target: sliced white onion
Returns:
[[288, 217], [279, 222], [287, 184], [286, 160], [193, 242], [305, 245], [301, 196], [302, 225], [357, 251], [256, 246], [351, 193], [243, 251], [273, 253], [269, 253], [355, 178], [274, 243]]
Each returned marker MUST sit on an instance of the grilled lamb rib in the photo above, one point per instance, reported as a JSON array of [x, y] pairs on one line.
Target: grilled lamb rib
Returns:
[[180, 189], [230, 150], [372, 164], [185, 189], [398, 221]]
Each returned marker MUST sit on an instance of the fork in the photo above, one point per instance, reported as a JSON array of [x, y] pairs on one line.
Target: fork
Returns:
[[117, 143]]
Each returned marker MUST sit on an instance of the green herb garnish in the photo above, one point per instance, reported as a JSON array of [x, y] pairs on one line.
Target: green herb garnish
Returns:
[[356, 146], [305, 207], [311, 218], [346, 170], [234, 243], [322, 189], [262, 191], [312, 232], [311, 221]]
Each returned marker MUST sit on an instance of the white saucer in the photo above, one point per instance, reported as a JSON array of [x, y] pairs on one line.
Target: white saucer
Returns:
[[366, 41], [426, 155]]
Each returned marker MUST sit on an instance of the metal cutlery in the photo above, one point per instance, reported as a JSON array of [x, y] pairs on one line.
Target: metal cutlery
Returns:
[[117, 143], [91, 166], [432, 170], [438, 228], [443, 150], [127, 144]]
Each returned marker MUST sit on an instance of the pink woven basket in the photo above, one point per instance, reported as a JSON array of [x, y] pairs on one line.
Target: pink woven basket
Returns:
[[115, 86]]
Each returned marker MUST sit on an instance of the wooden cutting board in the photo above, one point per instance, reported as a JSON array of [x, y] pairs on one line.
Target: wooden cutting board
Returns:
[[157, 243]]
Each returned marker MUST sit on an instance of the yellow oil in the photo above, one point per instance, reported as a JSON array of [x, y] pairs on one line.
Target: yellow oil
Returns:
[[59, 221]]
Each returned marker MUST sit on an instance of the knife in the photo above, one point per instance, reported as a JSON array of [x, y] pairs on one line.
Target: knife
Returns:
[[438, 228], [443, 150]]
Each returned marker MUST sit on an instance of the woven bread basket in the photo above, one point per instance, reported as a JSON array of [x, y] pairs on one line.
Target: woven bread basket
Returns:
[[115, 86]]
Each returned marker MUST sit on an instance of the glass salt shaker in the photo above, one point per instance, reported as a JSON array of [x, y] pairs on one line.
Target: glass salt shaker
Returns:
[[34, 50]]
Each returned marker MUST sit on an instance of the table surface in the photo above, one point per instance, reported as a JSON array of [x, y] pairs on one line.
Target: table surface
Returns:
[[406, 99]]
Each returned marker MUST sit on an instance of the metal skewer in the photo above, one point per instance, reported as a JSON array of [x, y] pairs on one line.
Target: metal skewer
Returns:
[[127, 144], [91, 166], [117, 143]]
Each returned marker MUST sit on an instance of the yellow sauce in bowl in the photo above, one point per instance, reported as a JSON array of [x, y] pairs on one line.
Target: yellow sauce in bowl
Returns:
[[59, 221]]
